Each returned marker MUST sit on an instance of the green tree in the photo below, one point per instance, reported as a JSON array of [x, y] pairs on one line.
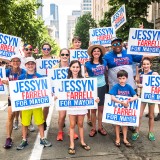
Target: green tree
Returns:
[[83, 25], [136, 13]]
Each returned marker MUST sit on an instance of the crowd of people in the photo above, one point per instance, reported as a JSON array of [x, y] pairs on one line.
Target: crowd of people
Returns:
[[113, 69]]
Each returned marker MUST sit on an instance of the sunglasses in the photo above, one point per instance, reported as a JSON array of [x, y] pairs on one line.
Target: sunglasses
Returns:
[[28, 49], [64, 54], [116, 44], [46, 49]]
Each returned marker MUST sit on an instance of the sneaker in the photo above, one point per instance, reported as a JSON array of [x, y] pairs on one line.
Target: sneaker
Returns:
[[60, 136], [45, 142], [45, 125], [8, 143], [31, 128], [131, 128], [135, 136], [151, 136], [157, 118], [22, 145], [15, 125]]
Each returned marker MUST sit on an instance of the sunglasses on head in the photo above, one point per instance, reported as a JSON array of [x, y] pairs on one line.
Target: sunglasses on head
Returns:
[[64, 54], [28, 49], [46, 49], [116, 44]]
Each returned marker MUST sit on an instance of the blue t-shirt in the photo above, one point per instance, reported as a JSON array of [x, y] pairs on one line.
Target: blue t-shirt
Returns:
[[113, 60], [29, 76], [126, 90], [97, 70], [14, 76]]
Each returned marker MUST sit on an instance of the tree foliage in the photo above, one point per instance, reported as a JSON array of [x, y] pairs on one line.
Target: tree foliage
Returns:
[[18, 18], [136, 13], [83, 25]]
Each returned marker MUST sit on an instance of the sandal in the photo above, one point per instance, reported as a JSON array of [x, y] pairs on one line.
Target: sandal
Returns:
[[86, 147], [128, 144], [92, 133], [102, 131], [117, 144], [71, 151]]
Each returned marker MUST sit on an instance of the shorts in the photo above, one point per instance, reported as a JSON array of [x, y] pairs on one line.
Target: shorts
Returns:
[[149, 104], [37, 114], [101, 95]]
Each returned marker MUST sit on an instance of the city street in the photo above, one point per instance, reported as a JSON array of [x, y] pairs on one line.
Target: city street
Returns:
[[102, 148]]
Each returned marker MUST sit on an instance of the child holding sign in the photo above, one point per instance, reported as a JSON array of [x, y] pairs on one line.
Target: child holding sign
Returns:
[[30, 64], [146, 65], [122, 89], [76, 116]]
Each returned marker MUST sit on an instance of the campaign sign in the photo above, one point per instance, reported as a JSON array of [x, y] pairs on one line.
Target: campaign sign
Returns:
[[116, 113], [80, 55], [102, 36], [144, 42], [3, 88], [76, 94], [9, 45], [57, 74], [30, 93], [151, 89], [43, 65], [119, 18]]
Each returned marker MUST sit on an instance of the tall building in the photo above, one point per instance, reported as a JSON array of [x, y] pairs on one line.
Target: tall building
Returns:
[[71, 23], [40, 9], [86, 6], [99, 7]]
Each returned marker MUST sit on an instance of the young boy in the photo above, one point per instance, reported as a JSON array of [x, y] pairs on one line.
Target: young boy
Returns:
[[30, 64], [122, 89]]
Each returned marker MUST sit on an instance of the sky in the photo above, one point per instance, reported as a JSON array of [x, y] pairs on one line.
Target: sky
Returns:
[[65, 8]]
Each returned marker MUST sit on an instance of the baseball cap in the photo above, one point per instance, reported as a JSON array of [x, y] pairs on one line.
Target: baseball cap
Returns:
[[15, 56], [30, 59], [27, 46], [115, 39]]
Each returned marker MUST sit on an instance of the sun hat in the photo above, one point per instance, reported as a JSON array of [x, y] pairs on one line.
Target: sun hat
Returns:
[[115, 39], [30, 59], [15, 56], [90, 48]]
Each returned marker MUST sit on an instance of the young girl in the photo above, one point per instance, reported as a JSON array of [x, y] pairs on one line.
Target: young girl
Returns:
[[76, 116], [146, 65], [12, 73]]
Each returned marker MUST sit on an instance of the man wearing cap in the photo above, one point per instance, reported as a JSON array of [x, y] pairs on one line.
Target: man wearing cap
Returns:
[[12, 74], [118, 59]]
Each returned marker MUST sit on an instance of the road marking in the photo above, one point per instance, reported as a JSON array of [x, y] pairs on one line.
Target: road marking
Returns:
[[37, 149]]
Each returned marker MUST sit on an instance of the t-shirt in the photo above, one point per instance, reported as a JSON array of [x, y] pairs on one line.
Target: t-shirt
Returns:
[[97, 71], [117, 62], [29, 76], [126, 90], [14, 76]]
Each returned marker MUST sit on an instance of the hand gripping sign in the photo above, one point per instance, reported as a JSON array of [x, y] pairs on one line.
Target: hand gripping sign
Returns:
[[102, 36], [151, 89], [30, 93], [116, 113], [43, 65], [3, 88], [9, 45], [76, 94], [144, 42], [119, 18]]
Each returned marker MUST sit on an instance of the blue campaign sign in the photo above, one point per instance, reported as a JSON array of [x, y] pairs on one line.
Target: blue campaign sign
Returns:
[[3, 88], [9, 45], [76, 94], [102, 36], [80, 55], [116, 113], [119, 18], [30, 93], [151, 89], [144, 42], [57, 74], [44, 65]]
